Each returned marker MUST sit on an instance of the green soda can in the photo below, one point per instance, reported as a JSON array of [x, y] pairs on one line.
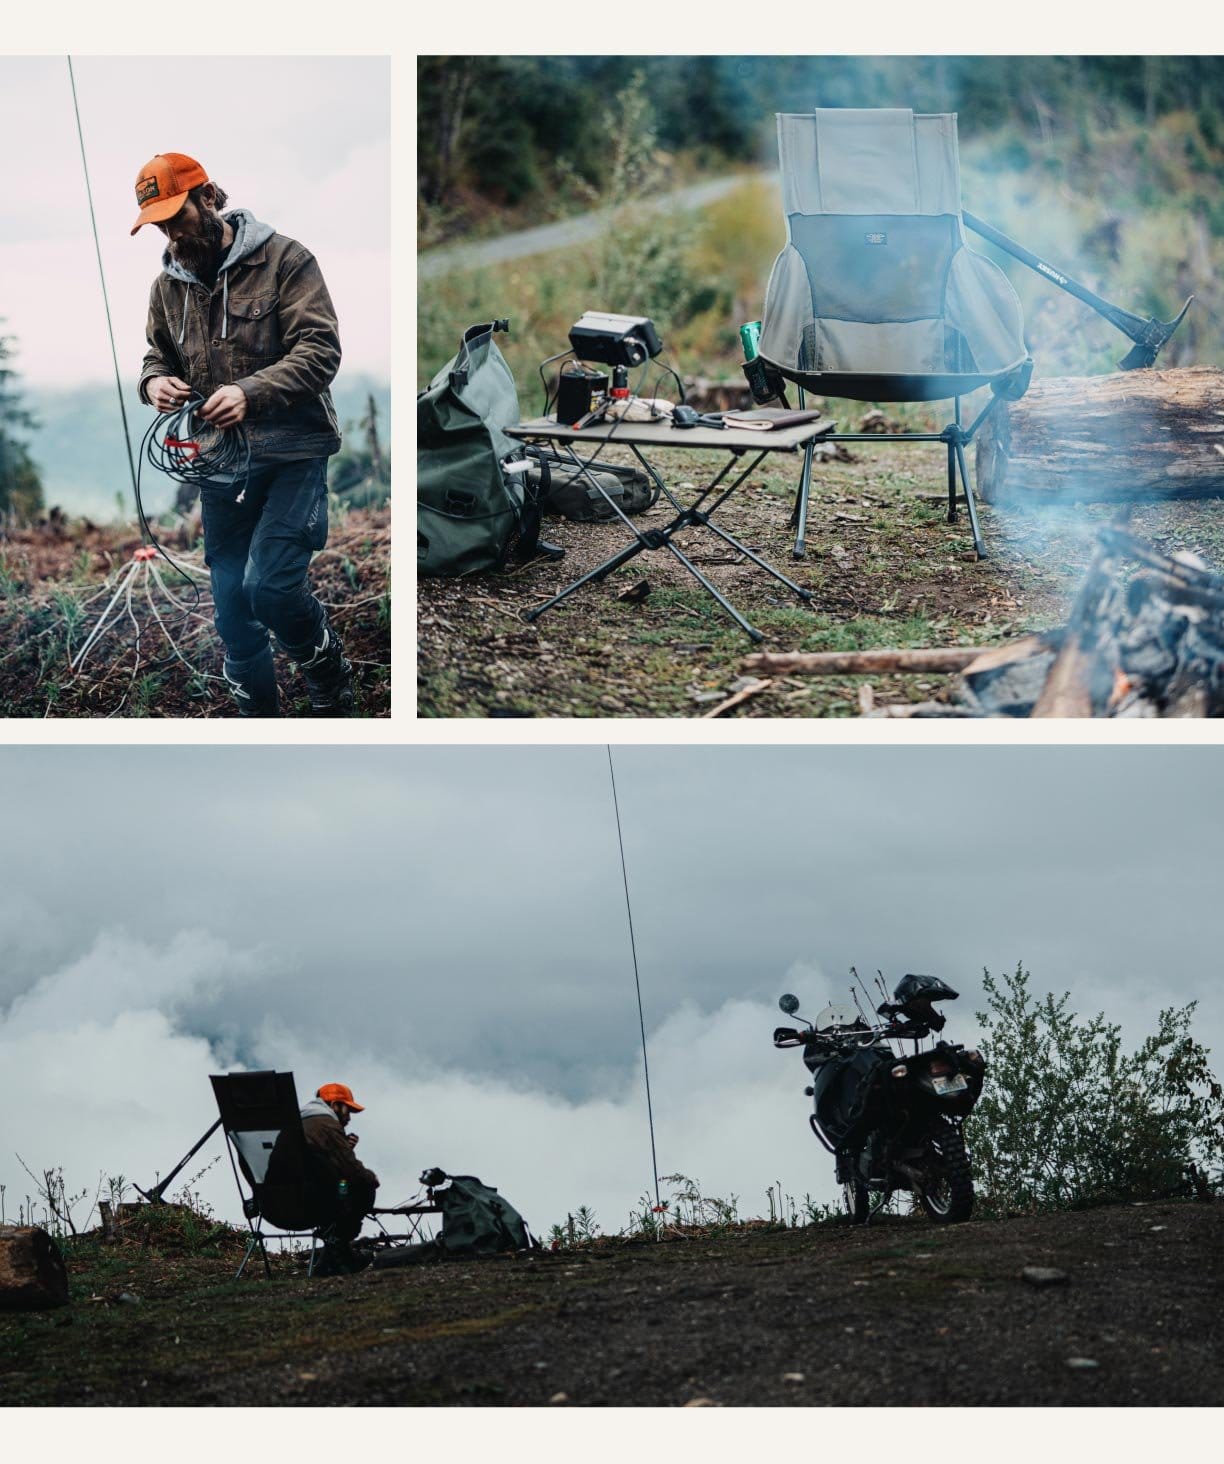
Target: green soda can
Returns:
[[750, 339]]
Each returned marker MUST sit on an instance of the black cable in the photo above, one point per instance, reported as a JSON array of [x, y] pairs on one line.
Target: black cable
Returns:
[[191, 451], [560, 356]]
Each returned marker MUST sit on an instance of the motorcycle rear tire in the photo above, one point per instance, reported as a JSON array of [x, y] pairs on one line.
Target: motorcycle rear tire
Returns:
[[956, 1203]]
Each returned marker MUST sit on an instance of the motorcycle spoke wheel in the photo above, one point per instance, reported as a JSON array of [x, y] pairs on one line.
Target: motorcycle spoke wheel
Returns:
[[949, 1200]]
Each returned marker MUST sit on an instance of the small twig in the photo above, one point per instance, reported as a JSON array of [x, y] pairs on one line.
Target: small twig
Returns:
[[740, 696]]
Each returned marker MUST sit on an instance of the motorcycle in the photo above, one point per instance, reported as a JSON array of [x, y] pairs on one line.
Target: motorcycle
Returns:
[[892, 1122]]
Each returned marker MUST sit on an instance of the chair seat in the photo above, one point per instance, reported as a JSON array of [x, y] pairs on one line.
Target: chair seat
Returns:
[[885, 386]]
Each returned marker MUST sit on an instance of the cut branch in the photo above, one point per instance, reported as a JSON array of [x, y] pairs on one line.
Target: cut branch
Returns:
[[862, 663]]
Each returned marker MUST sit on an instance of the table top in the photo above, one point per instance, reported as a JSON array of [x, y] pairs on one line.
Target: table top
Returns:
[[663, 434]]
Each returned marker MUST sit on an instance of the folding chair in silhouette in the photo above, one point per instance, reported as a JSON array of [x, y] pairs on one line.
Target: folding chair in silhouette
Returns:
[[260, 1117], [876, 296]]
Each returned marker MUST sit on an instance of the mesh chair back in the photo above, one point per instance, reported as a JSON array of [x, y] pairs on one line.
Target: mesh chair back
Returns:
[[261, 1117], [876, 288]]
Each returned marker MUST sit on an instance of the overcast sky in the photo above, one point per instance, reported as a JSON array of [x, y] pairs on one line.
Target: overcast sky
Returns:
[[444, 930], [303, 142]]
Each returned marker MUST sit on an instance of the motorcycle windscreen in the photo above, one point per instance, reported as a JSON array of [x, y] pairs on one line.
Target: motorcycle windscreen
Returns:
[[848, 1101]]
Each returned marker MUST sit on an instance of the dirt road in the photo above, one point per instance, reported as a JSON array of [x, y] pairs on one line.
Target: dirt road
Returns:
[[578, 230], [907, 1313]]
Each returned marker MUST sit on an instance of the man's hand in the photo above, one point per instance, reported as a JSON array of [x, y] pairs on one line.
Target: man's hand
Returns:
[[167, 392], [352, 1140], [225, 408]]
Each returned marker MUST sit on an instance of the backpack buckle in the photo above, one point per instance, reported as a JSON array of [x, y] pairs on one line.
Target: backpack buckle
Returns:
[[460, 503]]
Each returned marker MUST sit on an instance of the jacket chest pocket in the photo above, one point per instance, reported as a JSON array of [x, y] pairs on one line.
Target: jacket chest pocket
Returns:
[[253, 326]]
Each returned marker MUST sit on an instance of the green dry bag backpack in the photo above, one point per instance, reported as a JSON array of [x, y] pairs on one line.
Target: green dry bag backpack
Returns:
[[476, 1220], [474, 511]]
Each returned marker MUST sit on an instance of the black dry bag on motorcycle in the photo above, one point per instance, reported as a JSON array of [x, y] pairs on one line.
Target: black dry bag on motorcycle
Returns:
[[473, 511], [848, 1093]]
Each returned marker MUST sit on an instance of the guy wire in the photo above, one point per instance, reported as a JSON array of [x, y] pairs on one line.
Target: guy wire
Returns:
[[654, 1162], [127, 437]]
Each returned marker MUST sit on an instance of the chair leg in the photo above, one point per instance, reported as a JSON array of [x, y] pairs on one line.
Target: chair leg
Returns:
[[978, 542], [799, 516], [951, 483], [251, 1244], [263, 1250], [800, 512]]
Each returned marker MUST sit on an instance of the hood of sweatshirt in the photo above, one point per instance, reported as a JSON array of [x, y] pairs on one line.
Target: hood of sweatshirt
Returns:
[[249, 234], [316, 1108]]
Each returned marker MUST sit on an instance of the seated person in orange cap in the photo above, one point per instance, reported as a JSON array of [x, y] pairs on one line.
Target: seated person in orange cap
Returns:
[[331, 1158]]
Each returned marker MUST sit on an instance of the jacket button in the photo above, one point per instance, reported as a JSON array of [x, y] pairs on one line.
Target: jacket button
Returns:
[[255, 311], [216, 343]]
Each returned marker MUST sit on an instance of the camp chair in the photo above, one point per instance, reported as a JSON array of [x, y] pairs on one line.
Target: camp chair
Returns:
[[259, 1114], [876, 296]]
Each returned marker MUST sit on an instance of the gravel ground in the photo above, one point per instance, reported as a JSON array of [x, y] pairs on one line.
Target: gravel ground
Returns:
[[903, 1313]]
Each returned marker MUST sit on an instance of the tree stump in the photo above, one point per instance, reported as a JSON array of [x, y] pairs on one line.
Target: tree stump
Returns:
[[1129, 436], [32, 1271]]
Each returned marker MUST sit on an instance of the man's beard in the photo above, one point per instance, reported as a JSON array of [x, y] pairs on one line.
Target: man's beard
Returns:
[[200, 253]]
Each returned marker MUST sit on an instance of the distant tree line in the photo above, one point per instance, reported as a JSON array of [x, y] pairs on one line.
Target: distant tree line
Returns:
[[502, 126], [20, 482]]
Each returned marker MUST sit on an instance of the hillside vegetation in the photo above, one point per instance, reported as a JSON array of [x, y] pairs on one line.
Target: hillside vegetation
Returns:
[[1110, 167]]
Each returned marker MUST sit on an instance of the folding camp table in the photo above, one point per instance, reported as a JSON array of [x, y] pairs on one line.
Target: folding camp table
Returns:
[[641, 437], [412, 1213]]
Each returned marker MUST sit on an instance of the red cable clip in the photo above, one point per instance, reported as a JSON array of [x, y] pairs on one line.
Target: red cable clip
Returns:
[[146, 551], [184, 445]]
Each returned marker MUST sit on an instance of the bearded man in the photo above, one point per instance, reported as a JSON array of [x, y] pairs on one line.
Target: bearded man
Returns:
[[240, 319]]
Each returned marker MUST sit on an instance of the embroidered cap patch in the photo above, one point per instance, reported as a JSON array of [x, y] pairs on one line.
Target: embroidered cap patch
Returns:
[[146, 188]]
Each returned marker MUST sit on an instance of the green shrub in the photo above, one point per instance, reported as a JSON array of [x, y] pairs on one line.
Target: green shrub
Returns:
[[1068, 1119]]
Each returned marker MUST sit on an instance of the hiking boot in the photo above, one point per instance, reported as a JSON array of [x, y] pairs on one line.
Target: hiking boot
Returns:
[[328, 674], [252, 684], [339, 1258]]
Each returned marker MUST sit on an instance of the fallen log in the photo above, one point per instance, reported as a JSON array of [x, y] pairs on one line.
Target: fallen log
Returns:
[[862, 663], [1129, 436], [32, 1271]]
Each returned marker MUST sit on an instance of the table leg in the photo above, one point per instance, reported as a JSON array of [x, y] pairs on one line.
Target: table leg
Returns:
[[756, 559], [600, 572], [749, 630]]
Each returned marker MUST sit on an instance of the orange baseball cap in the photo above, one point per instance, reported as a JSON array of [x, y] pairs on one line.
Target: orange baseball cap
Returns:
[[162, 186], [338, 1093]]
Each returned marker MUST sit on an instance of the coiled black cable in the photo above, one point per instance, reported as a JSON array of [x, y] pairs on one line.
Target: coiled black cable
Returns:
[[191, 451]]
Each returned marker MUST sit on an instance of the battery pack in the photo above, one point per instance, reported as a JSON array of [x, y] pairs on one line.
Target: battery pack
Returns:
[[577, 392]]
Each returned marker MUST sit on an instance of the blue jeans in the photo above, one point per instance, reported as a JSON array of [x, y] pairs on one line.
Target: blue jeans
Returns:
[[258, 552]]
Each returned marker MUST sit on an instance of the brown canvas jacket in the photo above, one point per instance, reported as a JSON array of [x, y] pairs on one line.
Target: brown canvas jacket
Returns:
[[268, 325], [325, 1135]]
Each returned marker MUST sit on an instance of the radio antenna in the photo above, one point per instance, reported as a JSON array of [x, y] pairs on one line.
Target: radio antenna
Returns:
[[654, 1162]]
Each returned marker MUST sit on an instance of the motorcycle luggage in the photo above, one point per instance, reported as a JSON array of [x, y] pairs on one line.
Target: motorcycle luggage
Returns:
[[849, 1093]]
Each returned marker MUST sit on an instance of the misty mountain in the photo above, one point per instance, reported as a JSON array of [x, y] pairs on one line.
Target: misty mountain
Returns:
[[78, 444]]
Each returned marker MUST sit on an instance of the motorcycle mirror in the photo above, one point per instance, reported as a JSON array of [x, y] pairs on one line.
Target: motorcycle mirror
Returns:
[[789, 1004]]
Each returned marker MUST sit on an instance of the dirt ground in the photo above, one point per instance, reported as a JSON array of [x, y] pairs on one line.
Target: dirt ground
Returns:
[[885, 567], [904, 1312], [161, 657]]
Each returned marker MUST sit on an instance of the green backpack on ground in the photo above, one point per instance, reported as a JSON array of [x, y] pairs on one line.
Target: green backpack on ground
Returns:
[[473, 514], [476, 1221]]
